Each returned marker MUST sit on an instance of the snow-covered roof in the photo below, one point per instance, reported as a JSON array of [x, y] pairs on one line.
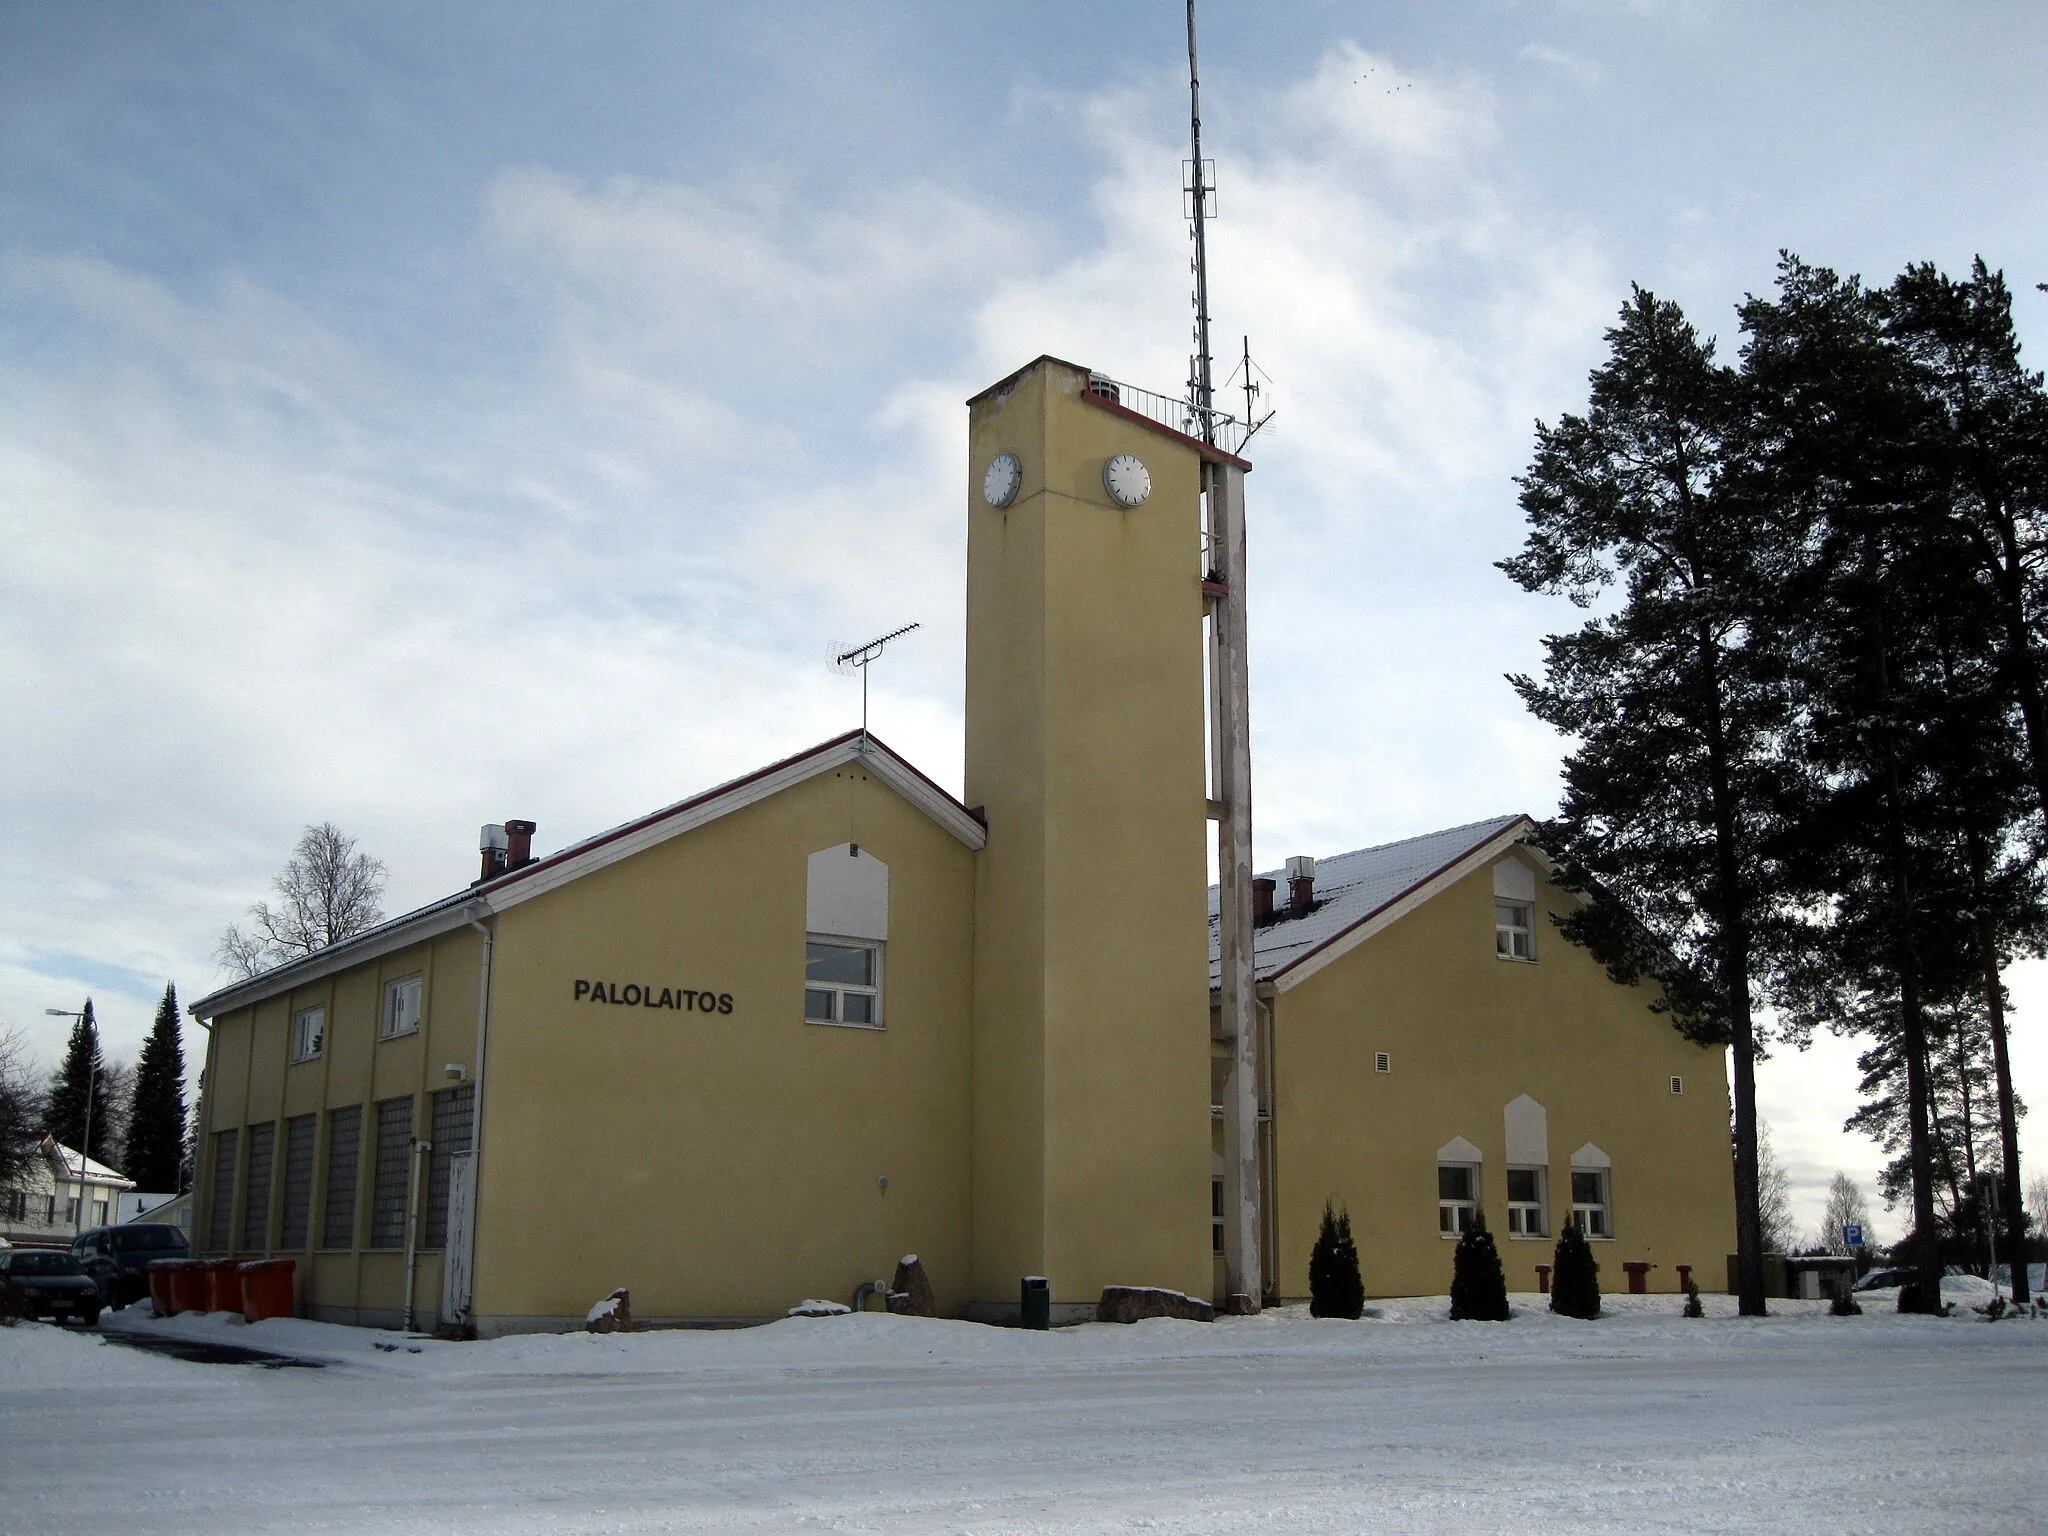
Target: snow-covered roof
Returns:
[[592, 853], [67, 1158], [1358, 892]]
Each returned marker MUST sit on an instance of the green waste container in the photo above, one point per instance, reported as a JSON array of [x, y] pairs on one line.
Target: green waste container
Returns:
[[1036, 1311]]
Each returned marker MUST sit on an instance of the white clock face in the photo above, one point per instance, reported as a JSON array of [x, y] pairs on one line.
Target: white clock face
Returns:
[[999, 485], [1127, 480]]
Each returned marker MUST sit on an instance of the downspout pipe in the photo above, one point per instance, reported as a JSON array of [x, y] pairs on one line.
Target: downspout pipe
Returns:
[[200, 1134], [476, 1108], [420, 1148]]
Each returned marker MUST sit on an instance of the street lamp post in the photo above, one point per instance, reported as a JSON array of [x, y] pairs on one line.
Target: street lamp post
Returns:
[[91, 1081]]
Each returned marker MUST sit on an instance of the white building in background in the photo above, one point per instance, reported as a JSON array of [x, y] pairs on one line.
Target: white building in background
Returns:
[[44, 1210]]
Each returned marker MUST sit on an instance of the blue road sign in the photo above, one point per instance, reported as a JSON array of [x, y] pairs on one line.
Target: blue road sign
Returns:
[[1852, 1236]]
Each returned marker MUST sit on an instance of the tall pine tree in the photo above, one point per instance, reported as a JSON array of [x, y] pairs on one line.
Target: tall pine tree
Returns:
[[1675, 698], [156, 1116], [80, 1082]]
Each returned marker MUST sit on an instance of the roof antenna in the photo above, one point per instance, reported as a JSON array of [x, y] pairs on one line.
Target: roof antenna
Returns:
[[1201, 189], [859, 658], [1198, 185]]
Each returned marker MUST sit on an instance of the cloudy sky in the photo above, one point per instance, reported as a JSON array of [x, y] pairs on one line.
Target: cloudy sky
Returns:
[[413, 416]]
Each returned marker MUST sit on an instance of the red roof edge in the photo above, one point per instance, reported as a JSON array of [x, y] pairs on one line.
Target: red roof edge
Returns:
[[576, 850]]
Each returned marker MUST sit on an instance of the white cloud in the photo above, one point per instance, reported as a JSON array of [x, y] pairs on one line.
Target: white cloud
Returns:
[[275, 561]]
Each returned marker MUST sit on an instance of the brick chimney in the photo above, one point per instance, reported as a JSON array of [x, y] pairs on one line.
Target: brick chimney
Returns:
[[1262, 900], [1301, 885], [518, 843]]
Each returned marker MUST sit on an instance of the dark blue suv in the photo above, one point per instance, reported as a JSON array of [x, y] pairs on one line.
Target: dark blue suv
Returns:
[[118, 1258]]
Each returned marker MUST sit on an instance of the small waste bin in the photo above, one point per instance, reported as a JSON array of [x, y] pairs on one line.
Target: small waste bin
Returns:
[[187, 1284], [1036, 1311], [161, 1300], [1638, 1274], [223, 1285], [266, 1289]]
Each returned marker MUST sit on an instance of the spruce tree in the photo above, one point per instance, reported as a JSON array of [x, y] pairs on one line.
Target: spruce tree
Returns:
[[1692, 1299], [1479, 1288], [1574, 1281], [82, 1077], [1335, 1287], [156, 1116]]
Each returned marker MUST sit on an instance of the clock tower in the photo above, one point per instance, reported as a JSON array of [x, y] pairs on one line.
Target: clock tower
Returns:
[[1085, 749]]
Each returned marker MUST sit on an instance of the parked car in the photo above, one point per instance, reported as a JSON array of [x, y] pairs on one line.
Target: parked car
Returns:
[[48, 1282], [118, 1258]]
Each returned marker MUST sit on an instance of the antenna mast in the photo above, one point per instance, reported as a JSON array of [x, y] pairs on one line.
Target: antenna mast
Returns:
[[1245, 1213], [1201, 389], [859, 658]]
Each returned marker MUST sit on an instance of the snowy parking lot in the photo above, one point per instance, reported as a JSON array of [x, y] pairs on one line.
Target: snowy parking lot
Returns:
[[1404, 1422]]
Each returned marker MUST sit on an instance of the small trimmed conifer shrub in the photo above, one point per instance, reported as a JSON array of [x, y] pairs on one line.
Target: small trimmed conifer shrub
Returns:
[[1479, 1290], [1574, 1282], [1335, 1287], [1692, 1299]]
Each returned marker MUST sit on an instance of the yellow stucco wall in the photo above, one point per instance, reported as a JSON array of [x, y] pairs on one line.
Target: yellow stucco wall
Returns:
[[727, 1164], [1467, 1034], [1085, 743], [251, 1081]]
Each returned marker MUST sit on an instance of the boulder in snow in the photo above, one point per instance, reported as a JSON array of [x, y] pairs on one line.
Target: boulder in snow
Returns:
[[1128, 1303], [819, 1309], [911, 1294], [612, 1315]]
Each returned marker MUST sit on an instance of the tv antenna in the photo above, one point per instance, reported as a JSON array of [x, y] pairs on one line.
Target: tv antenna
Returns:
[[859, 658]]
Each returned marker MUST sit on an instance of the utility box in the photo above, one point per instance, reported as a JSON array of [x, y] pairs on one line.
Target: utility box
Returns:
[[1035, 1310]]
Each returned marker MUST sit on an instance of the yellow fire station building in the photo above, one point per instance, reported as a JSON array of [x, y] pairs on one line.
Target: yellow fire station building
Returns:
[[980, 1030]]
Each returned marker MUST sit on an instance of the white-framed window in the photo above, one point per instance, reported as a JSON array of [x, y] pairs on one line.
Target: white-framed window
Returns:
[[1526, 1206], [49, 1209], [1590, 1206], [1677, 1084], [1457, 1198], [309, 1032], [1514, 930], [401, 1007], [99, 1213], [1382, 1062], [71, 1210], [843, 982]]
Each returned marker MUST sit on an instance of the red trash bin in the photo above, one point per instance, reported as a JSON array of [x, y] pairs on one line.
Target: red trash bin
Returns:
[[267, 1289], [223, 1285], [161, 1301], [187, 1285]]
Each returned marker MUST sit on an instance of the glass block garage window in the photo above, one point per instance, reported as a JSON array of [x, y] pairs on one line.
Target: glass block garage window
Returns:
[[344, 1150], [453, 1114], [387, 1183], [221, 1216], [298, 1181], [256, 1189]]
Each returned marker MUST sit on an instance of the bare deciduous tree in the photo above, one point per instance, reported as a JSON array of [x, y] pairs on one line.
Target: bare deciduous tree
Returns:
[[21, 1108], [1773, 1194], [326, 893], [1846, 1207]]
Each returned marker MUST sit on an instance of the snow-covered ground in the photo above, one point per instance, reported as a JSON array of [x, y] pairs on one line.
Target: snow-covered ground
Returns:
[[1405, 1422]]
